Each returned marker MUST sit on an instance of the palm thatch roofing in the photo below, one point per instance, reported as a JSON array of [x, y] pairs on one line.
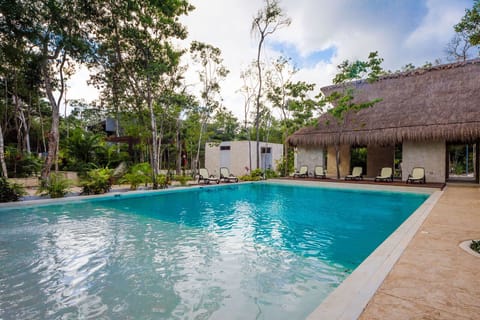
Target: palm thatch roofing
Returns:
[[436, 103]]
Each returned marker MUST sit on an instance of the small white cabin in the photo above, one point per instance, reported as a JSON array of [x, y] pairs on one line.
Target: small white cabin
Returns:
[[235, 155]]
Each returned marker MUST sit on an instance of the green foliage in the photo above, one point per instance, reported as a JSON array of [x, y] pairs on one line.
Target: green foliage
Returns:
[[343, 101], [285, 168], [81, 149], [255, 175], [22, 166], [163, 181], [370, 70], [475, 246], [224, 126], [182, 179], [97, 181], [270, 174], [140, 173], [459, 168], [10, 191], [358, 157], [470, 24], [56, 186]]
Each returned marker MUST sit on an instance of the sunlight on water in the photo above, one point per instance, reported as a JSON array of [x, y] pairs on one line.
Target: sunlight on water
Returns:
[[237, 252]]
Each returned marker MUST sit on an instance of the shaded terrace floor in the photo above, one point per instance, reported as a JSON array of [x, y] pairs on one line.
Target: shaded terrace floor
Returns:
[[397, 183]]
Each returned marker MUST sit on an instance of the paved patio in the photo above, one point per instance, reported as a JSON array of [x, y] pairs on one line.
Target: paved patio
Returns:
[[434, 278]]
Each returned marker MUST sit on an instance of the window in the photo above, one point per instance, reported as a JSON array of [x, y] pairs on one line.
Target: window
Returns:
[[223, 148], [266, 150]]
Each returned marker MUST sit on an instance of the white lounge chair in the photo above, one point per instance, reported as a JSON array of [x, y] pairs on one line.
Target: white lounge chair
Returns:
[[319, 172], [356, 174], [301, 173], [226, 176], [385, 175], [204, 176], [417, 175]]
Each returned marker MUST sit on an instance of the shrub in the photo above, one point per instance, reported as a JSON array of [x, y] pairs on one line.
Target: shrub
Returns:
[[475, 246], [182, 179], [139, 174], [269, 174], [20, 165], [285, 168], [29, 165], [10, 191], [97, 181], [56, 186], [162, 181], [255, 175]]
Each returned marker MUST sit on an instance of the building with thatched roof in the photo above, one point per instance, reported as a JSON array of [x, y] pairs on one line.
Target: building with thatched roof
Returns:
[[423, 111]]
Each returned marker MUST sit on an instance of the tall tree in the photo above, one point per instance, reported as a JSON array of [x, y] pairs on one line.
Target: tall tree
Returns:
[[268, 20], [55, 31], [248, 90], [211, 73], [138, 35], [343, 101], [292, 99]]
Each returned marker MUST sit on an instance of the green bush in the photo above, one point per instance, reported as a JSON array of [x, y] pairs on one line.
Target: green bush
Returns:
[[269, 174], [162, 181], [56, 186], [182, 179], [29, 165], [475, 246], [285, 168], [255, 175], [141, 173], [97, 181], [20, 165], [10, 191]]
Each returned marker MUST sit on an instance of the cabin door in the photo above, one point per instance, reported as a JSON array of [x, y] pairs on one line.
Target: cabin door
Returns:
[[225, 156], [266, 158]]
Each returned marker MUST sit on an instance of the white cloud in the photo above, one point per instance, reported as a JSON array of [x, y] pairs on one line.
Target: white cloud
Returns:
[[436, 27], [79, 80], [407, 31]]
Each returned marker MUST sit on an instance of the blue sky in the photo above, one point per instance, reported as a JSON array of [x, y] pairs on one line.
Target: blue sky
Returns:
[[303, 61]]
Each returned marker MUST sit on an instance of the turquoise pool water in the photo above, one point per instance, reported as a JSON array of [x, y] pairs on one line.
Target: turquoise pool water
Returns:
[[244, 251]]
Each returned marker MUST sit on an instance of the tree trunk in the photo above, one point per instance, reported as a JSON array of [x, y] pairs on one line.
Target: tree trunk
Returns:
[[2, 155], [53, 136], [153, 123], [41, 128], [259, 94], [26, 137], [179, 149], [337, 160], [197, 157], [249, 153], [18, 126]]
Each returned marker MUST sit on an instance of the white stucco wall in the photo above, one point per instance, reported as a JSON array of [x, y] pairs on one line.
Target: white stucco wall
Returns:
[[429, 155], [310, 157], [212, 158], [238, 156]]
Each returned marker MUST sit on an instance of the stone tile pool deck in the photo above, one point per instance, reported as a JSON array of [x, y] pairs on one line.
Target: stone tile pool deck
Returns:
[[434, 278]]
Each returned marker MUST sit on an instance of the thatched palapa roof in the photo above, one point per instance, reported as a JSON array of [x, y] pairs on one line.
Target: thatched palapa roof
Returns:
[[436, 103]]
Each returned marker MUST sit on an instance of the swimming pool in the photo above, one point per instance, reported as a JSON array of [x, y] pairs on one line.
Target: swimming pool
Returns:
[[243, 251]]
